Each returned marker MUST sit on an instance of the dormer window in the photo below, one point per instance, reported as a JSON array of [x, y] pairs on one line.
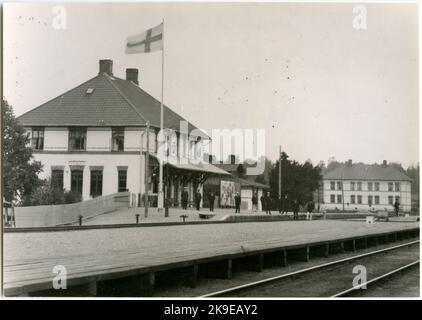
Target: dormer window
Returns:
[[37, 140]]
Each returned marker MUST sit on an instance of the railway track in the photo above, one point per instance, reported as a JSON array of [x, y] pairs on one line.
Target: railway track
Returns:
[[332, 279], [386, 276]]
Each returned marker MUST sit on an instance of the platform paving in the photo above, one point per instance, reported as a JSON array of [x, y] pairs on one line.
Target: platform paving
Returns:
[[91, 255]]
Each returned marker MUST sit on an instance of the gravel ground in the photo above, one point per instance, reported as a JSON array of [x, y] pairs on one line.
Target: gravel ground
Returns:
[[405, 284]]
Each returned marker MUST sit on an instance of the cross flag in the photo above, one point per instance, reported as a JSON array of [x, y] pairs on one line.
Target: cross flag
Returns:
[[148, 41]]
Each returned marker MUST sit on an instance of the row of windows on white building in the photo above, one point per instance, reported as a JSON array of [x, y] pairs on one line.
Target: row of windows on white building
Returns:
[[77, 140], [371, 186], [96, 180], [371, 200]]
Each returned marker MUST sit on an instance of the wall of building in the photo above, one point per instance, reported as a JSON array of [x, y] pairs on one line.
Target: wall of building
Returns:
[[98, 155], [383, 193], [110, 163], [55, 139], [98, 139]]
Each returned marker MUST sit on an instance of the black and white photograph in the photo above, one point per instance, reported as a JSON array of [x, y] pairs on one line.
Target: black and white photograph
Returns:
[[210, 151]]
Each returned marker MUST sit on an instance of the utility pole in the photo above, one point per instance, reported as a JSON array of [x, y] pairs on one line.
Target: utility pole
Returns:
[[342, 192], [279, 175], [146, 203]]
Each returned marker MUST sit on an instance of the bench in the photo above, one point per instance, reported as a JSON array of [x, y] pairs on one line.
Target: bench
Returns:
[[206, 215]]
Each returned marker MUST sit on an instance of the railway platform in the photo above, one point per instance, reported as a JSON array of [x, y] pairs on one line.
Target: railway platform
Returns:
[[131, 261]]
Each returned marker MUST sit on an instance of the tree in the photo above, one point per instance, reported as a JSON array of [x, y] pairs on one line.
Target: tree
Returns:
[[265, 163], [413, 173], [20, 171], [298, 181]]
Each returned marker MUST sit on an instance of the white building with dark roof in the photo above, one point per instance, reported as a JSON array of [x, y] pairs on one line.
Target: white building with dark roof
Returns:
[[364, 187], [92, 139]]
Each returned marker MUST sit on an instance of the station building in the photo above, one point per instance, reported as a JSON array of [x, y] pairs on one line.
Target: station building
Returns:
[[225, 187], [92, 140], [362, 187]]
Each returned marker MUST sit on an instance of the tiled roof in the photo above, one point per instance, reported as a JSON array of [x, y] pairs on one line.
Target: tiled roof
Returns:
[[251, 183], [113, 102], [366, 172], [228, 166]]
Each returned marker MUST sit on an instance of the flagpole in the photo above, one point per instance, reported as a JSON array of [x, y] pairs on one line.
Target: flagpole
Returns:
[[160, 184]]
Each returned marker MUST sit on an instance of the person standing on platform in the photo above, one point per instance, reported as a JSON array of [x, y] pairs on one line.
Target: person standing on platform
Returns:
[[198, 198], [237, 202], [280, 204], [295, 210], [185, 197], [211, 199], [397, 207], [263, 208], [310, 208], [285, 204], [268, 203], [254, 202]]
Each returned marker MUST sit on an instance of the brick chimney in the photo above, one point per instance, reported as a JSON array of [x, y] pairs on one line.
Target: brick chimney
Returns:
[[132, 75], [232, 159], [384, 163], [349, 163], [106, 66]]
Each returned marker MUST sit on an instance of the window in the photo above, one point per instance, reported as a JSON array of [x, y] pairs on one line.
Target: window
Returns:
[[339, 198], [339, 183], [359, 199], [390, 186], [122, 180], [96, 183], [332, 185], [359, 186], [377, 199], [369, 186], [57, 179], [353, 199], [390, 200], [76, 181], [352, 186], [77, 139], [118, 139], [397, 184], [370, 198], [398, 199], [333, 198], [377, 186], [37, 140]]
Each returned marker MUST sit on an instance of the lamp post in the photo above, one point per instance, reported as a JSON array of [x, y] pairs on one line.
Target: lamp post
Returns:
[[166, 189], [279, 176]]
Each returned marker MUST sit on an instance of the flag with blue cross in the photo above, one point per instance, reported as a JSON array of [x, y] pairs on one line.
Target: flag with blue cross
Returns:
[[148, 41]]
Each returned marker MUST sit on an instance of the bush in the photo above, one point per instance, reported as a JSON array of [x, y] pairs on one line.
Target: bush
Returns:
[[46, 194], [72, 197]]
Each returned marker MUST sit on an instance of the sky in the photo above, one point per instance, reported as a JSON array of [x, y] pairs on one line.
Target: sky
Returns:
[[316, 85]]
